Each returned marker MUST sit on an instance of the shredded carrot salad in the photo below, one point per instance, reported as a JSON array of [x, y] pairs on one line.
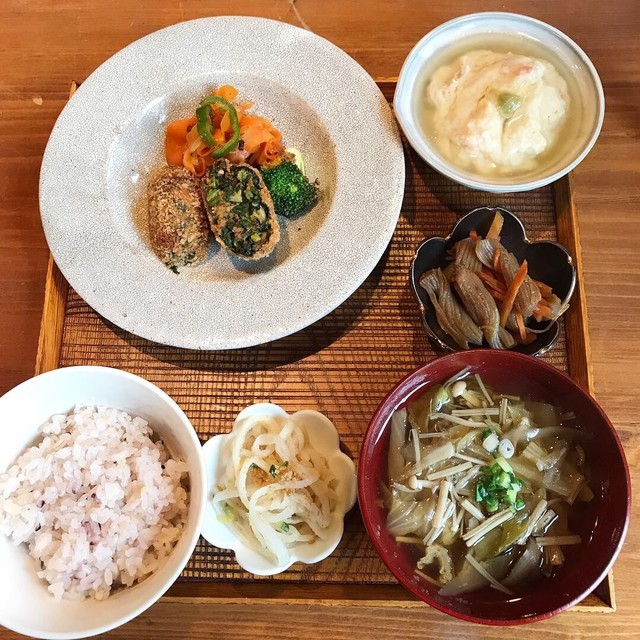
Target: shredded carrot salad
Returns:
[[260, 142]]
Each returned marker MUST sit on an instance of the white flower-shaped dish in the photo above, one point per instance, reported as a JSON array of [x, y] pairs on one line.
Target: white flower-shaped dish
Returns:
[[323, 437]]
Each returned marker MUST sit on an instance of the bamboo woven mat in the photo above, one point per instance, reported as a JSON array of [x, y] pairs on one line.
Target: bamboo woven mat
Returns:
[[343, 365]]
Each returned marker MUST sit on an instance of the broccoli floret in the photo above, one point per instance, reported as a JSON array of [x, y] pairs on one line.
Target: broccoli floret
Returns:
[[291, 191]]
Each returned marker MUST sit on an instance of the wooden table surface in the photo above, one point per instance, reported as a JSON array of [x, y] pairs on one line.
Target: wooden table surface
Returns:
[[44, 44]]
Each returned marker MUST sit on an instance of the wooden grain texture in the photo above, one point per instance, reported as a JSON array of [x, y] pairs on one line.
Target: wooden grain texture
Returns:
[[248, 620], [51, 326], [46, 43], [358, 333], [340, 365], [576, 322]]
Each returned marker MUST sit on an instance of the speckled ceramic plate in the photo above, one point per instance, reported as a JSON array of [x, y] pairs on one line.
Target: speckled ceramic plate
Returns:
[[109, 139]]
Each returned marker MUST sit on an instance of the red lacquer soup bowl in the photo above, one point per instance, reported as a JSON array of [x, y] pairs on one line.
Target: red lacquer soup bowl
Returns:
[[602, 522]]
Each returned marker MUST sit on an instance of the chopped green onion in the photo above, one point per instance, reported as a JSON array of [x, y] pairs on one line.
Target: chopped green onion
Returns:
[[504, 480], [497, 486], [486, 433], [510, 496], [491, 503]]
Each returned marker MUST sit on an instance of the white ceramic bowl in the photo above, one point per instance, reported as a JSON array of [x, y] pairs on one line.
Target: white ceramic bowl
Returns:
[[323, 437], [25, 604], [436, 43]]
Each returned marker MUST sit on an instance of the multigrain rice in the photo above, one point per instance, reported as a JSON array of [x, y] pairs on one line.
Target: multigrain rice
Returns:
[[99, 502]]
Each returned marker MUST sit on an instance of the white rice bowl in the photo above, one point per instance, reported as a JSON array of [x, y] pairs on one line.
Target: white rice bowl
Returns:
[[27, 606], [98, 502]]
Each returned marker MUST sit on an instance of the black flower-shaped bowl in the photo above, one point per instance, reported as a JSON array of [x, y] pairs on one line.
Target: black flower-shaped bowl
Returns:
[[547, 261]]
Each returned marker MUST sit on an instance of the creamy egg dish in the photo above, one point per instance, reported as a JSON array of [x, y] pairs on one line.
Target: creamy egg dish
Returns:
[[496, 113]]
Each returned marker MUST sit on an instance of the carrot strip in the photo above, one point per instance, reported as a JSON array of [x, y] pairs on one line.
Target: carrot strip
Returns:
[[497, 295], [473, 234], [187, 162], [175, 139], [521, 327], [225, 123], [542, 310], [488, 278], [512, 292], [496, 261], [496, 227], [262, 142], [227, 92], [545, 289], [543, 306], [529, 337]]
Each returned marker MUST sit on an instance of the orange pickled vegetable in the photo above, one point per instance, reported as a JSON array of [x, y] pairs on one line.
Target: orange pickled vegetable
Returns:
[[496, 227], [175, 140], [542, 311], [496, 261], [521, 328], [226, 91], [512, 292], [493, 282], [261, 142], [545, 289]]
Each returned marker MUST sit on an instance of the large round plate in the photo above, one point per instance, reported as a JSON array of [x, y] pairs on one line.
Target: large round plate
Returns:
[[109, 139]]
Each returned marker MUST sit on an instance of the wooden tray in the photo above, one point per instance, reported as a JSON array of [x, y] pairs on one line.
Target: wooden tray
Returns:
[[342, 365]]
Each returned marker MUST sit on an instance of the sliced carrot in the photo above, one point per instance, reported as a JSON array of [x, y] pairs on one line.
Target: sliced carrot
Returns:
[[254, 138], [529, 337], [493, 282], [496, 261], [187, 161], [543, 305], [542, 310], [521, 328], [262, 141], [473, 234], [512, 292], [193, 137], [496, 227], [175, 140], [545, 289], [228, 92], [225, 123], [219, 137], [270, 152], [496, 295]]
